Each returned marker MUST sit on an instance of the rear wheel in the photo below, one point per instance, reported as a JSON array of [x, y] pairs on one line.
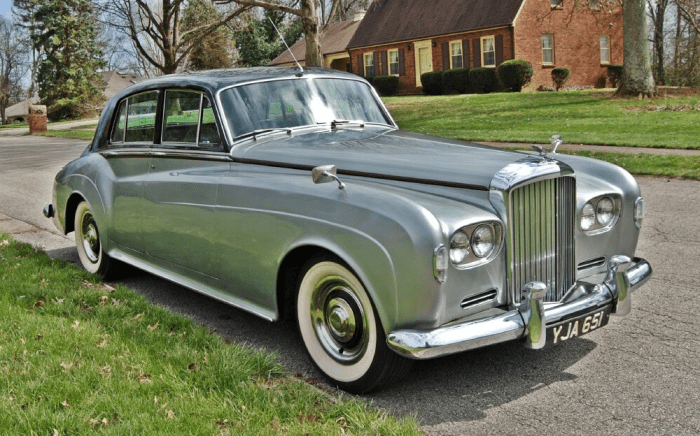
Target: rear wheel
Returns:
[[341, 330], [89, 242]]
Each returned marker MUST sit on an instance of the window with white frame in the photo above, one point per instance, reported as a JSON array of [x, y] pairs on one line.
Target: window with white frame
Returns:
[[393, 62], [456, 54], [369, 64], [604, 49], [547, 50], [488, 51]]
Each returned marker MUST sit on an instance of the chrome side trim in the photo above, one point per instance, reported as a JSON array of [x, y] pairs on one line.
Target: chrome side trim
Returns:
[[528, 321]]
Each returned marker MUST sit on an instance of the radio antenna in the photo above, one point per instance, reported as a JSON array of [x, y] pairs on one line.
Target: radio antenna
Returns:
[[301, 70]]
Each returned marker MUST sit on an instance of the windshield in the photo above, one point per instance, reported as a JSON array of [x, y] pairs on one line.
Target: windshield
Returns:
[[302, 102]]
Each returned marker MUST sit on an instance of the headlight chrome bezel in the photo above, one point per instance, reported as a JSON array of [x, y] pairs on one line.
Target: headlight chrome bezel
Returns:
[[597, 204], [476, 257]]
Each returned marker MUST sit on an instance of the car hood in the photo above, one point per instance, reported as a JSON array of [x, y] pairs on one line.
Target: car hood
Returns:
[[392, 154]]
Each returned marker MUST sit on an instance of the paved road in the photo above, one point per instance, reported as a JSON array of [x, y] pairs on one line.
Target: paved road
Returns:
[[638, 376]]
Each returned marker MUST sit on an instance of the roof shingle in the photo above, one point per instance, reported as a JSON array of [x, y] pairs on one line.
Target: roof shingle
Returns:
[[401, 20]]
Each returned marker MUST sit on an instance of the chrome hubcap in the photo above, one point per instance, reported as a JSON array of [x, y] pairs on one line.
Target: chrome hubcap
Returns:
[[338, 320], [341, 320], [91, 238]]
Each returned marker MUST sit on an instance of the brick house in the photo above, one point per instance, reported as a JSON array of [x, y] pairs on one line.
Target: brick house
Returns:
[[409, 37]]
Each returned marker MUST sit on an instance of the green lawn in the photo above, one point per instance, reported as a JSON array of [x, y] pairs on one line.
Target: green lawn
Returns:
[[582, 117], [79, 358]]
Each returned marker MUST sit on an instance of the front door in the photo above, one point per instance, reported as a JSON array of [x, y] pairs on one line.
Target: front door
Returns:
[[424, 59]]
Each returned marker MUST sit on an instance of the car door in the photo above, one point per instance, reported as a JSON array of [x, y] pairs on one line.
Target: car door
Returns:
[[128, 154], [180, 189]]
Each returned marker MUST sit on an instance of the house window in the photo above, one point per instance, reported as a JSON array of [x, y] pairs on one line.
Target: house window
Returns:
[[556, 4], [456, 54], [369, 64], [488, 51], [547, 49], [604, 49], [393, 62]]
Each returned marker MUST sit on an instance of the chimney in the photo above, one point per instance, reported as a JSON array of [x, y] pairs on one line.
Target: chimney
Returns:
[[359, 15]]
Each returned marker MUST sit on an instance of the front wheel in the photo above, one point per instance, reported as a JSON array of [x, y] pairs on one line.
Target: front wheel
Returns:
[[341, 329], [89, 243]]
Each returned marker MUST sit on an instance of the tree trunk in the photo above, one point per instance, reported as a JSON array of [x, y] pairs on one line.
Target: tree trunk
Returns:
[[658, 20], [309, 20], [637, 78]]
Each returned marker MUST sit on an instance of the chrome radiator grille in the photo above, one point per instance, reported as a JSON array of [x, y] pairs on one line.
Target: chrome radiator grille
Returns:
[[541, 236]]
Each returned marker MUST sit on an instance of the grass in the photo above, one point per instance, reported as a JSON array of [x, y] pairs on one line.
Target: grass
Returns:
[[13, 126], [74, 133], [582, 117], [78, 357]]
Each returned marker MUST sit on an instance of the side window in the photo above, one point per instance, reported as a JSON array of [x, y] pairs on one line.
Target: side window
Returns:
[[181, 117], [141, 117]]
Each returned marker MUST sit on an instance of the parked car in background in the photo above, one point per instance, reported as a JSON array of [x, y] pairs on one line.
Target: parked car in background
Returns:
[[288, 192]]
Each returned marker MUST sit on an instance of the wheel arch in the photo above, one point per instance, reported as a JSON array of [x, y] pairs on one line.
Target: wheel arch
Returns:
[[384, 300]]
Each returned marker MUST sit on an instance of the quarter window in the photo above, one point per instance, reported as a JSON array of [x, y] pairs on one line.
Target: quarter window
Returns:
[[547, 50], [456, 54], [136, 119], [488, 51], [393, 62], [369, 64], [604, 49]]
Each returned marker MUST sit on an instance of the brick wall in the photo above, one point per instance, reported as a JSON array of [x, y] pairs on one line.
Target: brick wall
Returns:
[[576, 36], [407, 80]]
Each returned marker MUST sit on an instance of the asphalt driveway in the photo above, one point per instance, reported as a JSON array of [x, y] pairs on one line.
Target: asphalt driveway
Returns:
[[639, 376]]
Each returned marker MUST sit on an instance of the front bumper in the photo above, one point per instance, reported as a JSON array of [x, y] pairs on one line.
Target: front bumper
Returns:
[[529, 320]]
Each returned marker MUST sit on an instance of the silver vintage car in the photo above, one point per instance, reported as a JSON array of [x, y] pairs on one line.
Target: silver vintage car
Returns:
[[289, 192]]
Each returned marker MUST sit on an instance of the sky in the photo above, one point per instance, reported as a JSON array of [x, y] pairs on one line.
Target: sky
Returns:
[[5, 6]]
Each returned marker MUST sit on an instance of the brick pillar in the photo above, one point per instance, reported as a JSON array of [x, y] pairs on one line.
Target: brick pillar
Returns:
[[37, 118]]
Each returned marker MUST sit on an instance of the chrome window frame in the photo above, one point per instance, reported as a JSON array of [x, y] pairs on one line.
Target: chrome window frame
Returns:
[[164, 118], [115, 120]]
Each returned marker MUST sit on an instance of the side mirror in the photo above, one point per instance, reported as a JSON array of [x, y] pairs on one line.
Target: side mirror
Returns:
[[326, 174]]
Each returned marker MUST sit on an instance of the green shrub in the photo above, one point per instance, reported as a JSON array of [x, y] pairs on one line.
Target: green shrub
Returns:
[[483, 80], [432, 83], [370, 79], [614, 75], [515, 74], [386, 85], [560, 75], [456, 81]]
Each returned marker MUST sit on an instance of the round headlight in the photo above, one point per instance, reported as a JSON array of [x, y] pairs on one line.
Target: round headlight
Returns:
[[605, 212], [459, 247], [483, 241], [587, 217]]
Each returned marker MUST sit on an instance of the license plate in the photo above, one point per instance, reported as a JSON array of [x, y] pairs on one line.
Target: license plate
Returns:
[[579, 326]]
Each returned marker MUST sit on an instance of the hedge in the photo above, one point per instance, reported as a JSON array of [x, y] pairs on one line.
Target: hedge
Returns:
[[483, 80], [432, 83], [386, 85], [456, 81], [515, 74], [560, 75]]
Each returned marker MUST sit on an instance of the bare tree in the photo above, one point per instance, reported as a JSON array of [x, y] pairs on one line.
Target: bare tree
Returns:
[[307, 11], [155, 30], [690, 11], [13, 64], [657, 13]]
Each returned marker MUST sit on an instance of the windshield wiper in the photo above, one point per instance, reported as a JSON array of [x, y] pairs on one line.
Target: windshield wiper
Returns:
[[255, 133], [337, 123]]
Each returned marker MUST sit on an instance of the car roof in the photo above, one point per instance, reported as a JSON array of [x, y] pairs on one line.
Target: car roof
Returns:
[[214, 80]]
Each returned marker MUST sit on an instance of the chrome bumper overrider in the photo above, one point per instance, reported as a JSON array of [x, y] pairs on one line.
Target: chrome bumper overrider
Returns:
[[530, 318]]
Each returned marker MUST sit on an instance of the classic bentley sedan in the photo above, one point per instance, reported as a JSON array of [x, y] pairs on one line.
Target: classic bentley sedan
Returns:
[[289, 192]]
